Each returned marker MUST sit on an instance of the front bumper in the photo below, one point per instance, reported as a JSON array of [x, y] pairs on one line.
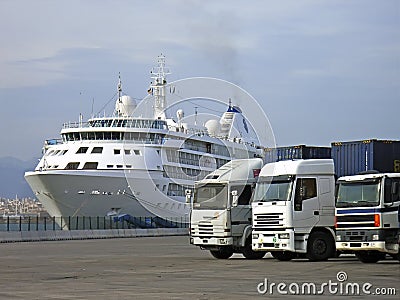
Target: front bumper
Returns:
[[211, 241], [368, 246], [273, 241]]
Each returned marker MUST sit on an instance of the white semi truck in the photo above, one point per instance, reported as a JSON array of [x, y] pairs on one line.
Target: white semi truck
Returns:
[[220, 219], [293, 209], [368, 215]]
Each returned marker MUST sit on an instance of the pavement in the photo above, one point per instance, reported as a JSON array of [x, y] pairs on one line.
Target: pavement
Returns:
[[171, 268]]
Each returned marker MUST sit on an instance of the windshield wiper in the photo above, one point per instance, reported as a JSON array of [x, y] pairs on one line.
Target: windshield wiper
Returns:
[[272, 200], [355, 204], [368, 203]]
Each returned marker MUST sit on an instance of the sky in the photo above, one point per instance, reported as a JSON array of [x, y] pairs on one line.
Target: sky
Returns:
[[322, 71]]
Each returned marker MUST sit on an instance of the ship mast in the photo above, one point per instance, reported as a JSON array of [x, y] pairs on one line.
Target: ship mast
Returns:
[[119, 87], [157, 87]]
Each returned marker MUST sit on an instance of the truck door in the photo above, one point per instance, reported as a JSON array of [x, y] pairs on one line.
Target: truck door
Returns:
[[241, 214], [306, 206]]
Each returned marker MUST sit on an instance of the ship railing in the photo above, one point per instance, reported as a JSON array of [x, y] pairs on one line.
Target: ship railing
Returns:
[[68, 125], [118, 122], [191, 131], [40, 223]]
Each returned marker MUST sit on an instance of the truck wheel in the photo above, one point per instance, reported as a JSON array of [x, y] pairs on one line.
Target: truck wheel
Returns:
[[319, 246], [369, 257], [223, 253], [249, 253], [396, 256], [283, 255]]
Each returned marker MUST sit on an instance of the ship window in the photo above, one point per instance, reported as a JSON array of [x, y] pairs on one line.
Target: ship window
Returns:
[[84, 135], [137, 152], [107, 135], [72, 166], [63, 152], [97, 150], [115, 135], [119, 166], [82, 150], [99, 136], [127, 151], [110, 166], [90, 165], [129, 166], [117, 151]]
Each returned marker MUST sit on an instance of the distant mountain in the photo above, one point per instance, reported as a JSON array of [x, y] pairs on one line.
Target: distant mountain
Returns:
[[12, 181]]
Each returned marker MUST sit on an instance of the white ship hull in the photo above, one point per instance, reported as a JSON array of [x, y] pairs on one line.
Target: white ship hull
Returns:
[[109, 193]]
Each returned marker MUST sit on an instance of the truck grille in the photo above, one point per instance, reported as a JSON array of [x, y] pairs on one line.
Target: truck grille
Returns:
[[267, 221], [203, 228], [355, 221], [355, 236]]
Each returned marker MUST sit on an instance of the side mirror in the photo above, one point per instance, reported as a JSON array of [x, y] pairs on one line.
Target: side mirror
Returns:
[[188, 195], [235, 198]]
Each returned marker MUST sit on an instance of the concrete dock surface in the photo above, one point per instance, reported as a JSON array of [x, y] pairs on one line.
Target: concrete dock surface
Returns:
[[171, 268]]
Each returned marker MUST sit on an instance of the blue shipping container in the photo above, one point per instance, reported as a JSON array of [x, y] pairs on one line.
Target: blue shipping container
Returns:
[[296, 152], [353, 157]]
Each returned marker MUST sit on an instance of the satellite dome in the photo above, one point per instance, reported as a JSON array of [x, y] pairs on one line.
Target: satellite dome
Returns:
[[125, 106], [213, 127]]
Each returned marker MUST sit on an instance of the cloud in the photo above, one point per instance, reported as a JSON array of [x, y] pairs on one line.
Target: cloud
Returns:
[[56, 56]]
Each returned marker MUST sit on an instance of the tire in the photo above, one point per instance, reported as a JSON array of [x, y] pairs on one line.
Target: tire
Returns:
[[337, 253], [223, 253], [249, 253], [283, 255], [369, 257], [396, 256], [319, 246]]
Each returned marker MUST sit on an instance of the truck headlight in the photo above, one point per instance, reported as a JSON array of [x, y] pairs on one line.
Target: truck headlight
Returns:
[[338, 238], [375, 237], [255, 236], [283, 235]]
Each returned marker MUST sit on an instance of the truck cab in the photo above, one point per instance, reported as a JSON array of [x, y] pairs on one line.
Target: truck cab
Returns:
[[368, 215], [293, 209], [220, 219]]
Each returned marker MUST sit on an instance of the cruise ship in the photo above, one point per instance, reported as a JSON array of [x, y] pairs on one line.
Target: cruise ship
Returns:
[[128, 164]]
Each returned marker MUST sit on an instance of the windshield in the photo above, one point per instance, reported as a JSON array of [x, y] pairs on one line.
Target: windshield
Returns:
[[279, 189], [211, 196], [351, 194]]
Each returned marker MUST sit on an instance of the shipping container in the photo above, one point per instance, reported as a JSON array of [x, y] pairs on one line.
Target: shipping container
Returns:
[[296, 152], [353, 157]]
